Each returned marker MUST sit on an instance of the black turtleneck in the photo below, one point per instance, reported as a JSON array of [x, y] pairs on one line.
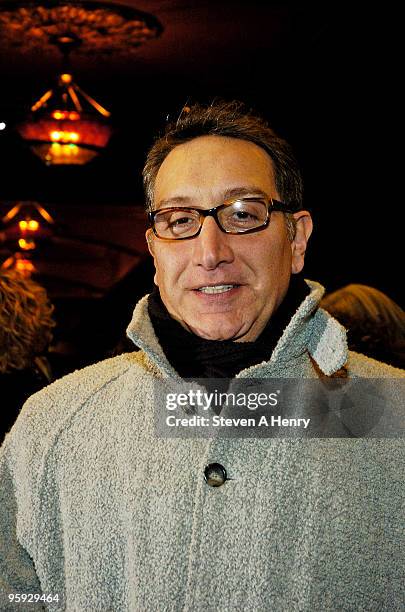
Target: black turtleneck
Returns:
[[195, 357]]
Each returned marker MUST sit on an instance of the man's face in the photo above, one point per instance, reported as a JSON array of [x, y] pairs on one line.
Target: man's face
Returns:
[[202, 174]]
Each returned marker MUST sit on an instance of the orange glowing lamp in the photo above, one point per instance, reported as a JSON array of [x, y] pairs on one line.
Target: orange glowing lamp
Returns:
[[66, 125], [24, 266], [24, 228], [28, 225], [26, 245], [21, 263], [25, 224]]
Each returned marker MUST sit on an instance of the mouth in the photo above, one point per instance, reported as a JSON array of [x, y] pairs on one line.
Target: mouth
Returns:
[[215, 289]]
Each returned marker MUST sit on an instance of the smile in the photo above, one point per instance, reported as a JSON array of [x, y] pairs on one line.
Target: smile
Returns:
[[217, 288]]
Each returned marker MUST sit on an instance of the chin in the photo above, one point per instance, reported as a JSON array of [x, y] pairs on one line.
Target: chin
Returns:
[[217, 332]]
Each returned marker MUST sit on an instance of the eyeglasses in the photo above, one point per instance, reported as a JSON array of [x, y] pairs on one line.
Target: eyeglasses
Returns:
[[240, 216]]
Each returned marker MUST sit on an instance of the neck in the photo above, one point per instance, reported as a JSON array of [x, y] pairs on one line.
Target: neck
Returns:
[[193, 356]]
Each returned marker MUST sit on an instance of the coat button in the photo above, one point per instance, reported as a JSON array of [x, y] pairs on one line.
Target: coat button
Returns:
[[215, 474]]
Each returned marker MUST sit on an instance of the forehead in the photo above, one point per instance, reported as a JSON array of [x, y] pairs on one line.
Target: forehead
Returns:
[[209, 166]]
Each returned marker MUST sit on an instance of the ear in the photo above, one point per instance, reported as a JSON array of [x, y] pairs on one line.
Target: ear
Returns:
[[149, 240], [299, 244]]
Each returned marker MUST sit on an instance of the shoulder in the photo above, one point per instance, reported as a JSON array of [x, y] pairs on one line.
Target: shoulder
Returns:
[[80, 401], [328, 347], [360, 366], [46, 413], [84, 382]]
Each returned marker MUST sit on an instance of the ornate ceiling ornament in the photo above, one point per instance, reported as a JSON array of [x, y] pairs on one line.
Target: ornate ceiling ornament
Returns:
[[102, 27], [66, 125]]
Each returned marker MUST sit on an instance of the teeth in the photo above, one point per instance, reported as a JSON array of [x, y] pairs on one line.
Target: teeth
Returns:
[[216, 289]]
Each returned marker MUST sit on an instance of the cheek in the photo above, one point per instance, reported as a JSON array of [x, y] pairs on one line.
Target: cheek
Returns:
[[285, 255], [271, 257], [168, 266]]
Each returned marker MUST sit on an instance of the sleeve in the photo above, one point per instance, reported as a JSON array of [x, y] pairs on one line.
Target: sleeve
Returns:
[[17, 572]]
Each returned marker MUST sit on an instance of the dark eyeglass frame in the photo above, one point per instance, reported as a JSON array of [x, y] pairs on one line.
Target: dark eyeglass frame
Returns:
[[271, 205]]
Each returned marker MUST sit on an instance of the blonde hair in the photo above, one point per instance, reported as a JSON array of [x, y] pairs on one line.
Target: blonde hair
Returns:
[[25, 321]]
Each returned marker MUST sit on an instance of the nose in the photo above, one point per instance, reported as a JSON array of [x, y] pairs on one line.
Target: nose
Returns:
[[212, 246]]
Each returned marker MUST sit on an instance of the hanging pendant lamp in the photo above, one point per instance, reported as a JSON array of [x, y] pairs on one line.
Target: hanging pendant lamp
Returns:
[[23, 228], [66, 125]]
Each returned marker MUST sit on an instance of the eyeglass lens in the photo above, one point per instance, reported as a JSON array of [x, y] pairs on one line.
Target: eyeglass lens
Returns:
[[237, 218]]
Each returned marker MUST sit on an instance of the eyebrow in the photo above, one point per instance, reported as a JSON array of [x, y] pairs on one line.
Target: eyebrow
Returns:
[[228, 194]]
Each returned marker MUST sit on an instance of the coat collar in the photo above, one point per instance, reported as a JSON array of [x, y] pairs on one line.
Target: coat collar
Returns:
[[311, 330]]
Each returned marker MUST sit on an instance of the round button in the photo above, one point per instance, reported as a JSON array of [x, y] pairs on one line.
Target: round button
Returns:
[[215, 474]]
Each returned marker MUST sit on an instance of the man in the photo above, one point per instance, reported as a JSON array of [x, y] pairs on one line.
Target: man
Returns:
[[102, 514]]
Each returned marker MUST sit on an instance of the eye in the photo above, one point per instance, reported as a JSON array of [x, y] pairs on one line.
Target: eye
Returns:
[[172, 223], [243, 215], [247, 211], [180, 223], [177, 221]]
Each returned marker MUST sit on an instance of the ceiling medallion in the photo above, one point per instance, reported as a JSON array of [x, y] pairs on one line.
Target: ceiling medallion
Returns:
[[102, 27]]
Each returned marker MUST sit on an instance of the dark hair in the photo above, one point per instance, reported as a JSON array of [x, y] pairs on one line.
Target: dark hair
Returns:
[[233, 120]]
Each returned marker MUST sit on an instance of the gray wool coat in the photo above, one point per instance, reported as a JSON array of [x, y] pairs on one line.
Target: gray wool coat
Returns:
[[95, 509]]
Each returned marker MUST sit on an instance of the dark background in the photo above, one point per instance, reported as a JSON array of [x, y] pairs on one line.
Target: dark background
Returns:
[[325, 78]]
